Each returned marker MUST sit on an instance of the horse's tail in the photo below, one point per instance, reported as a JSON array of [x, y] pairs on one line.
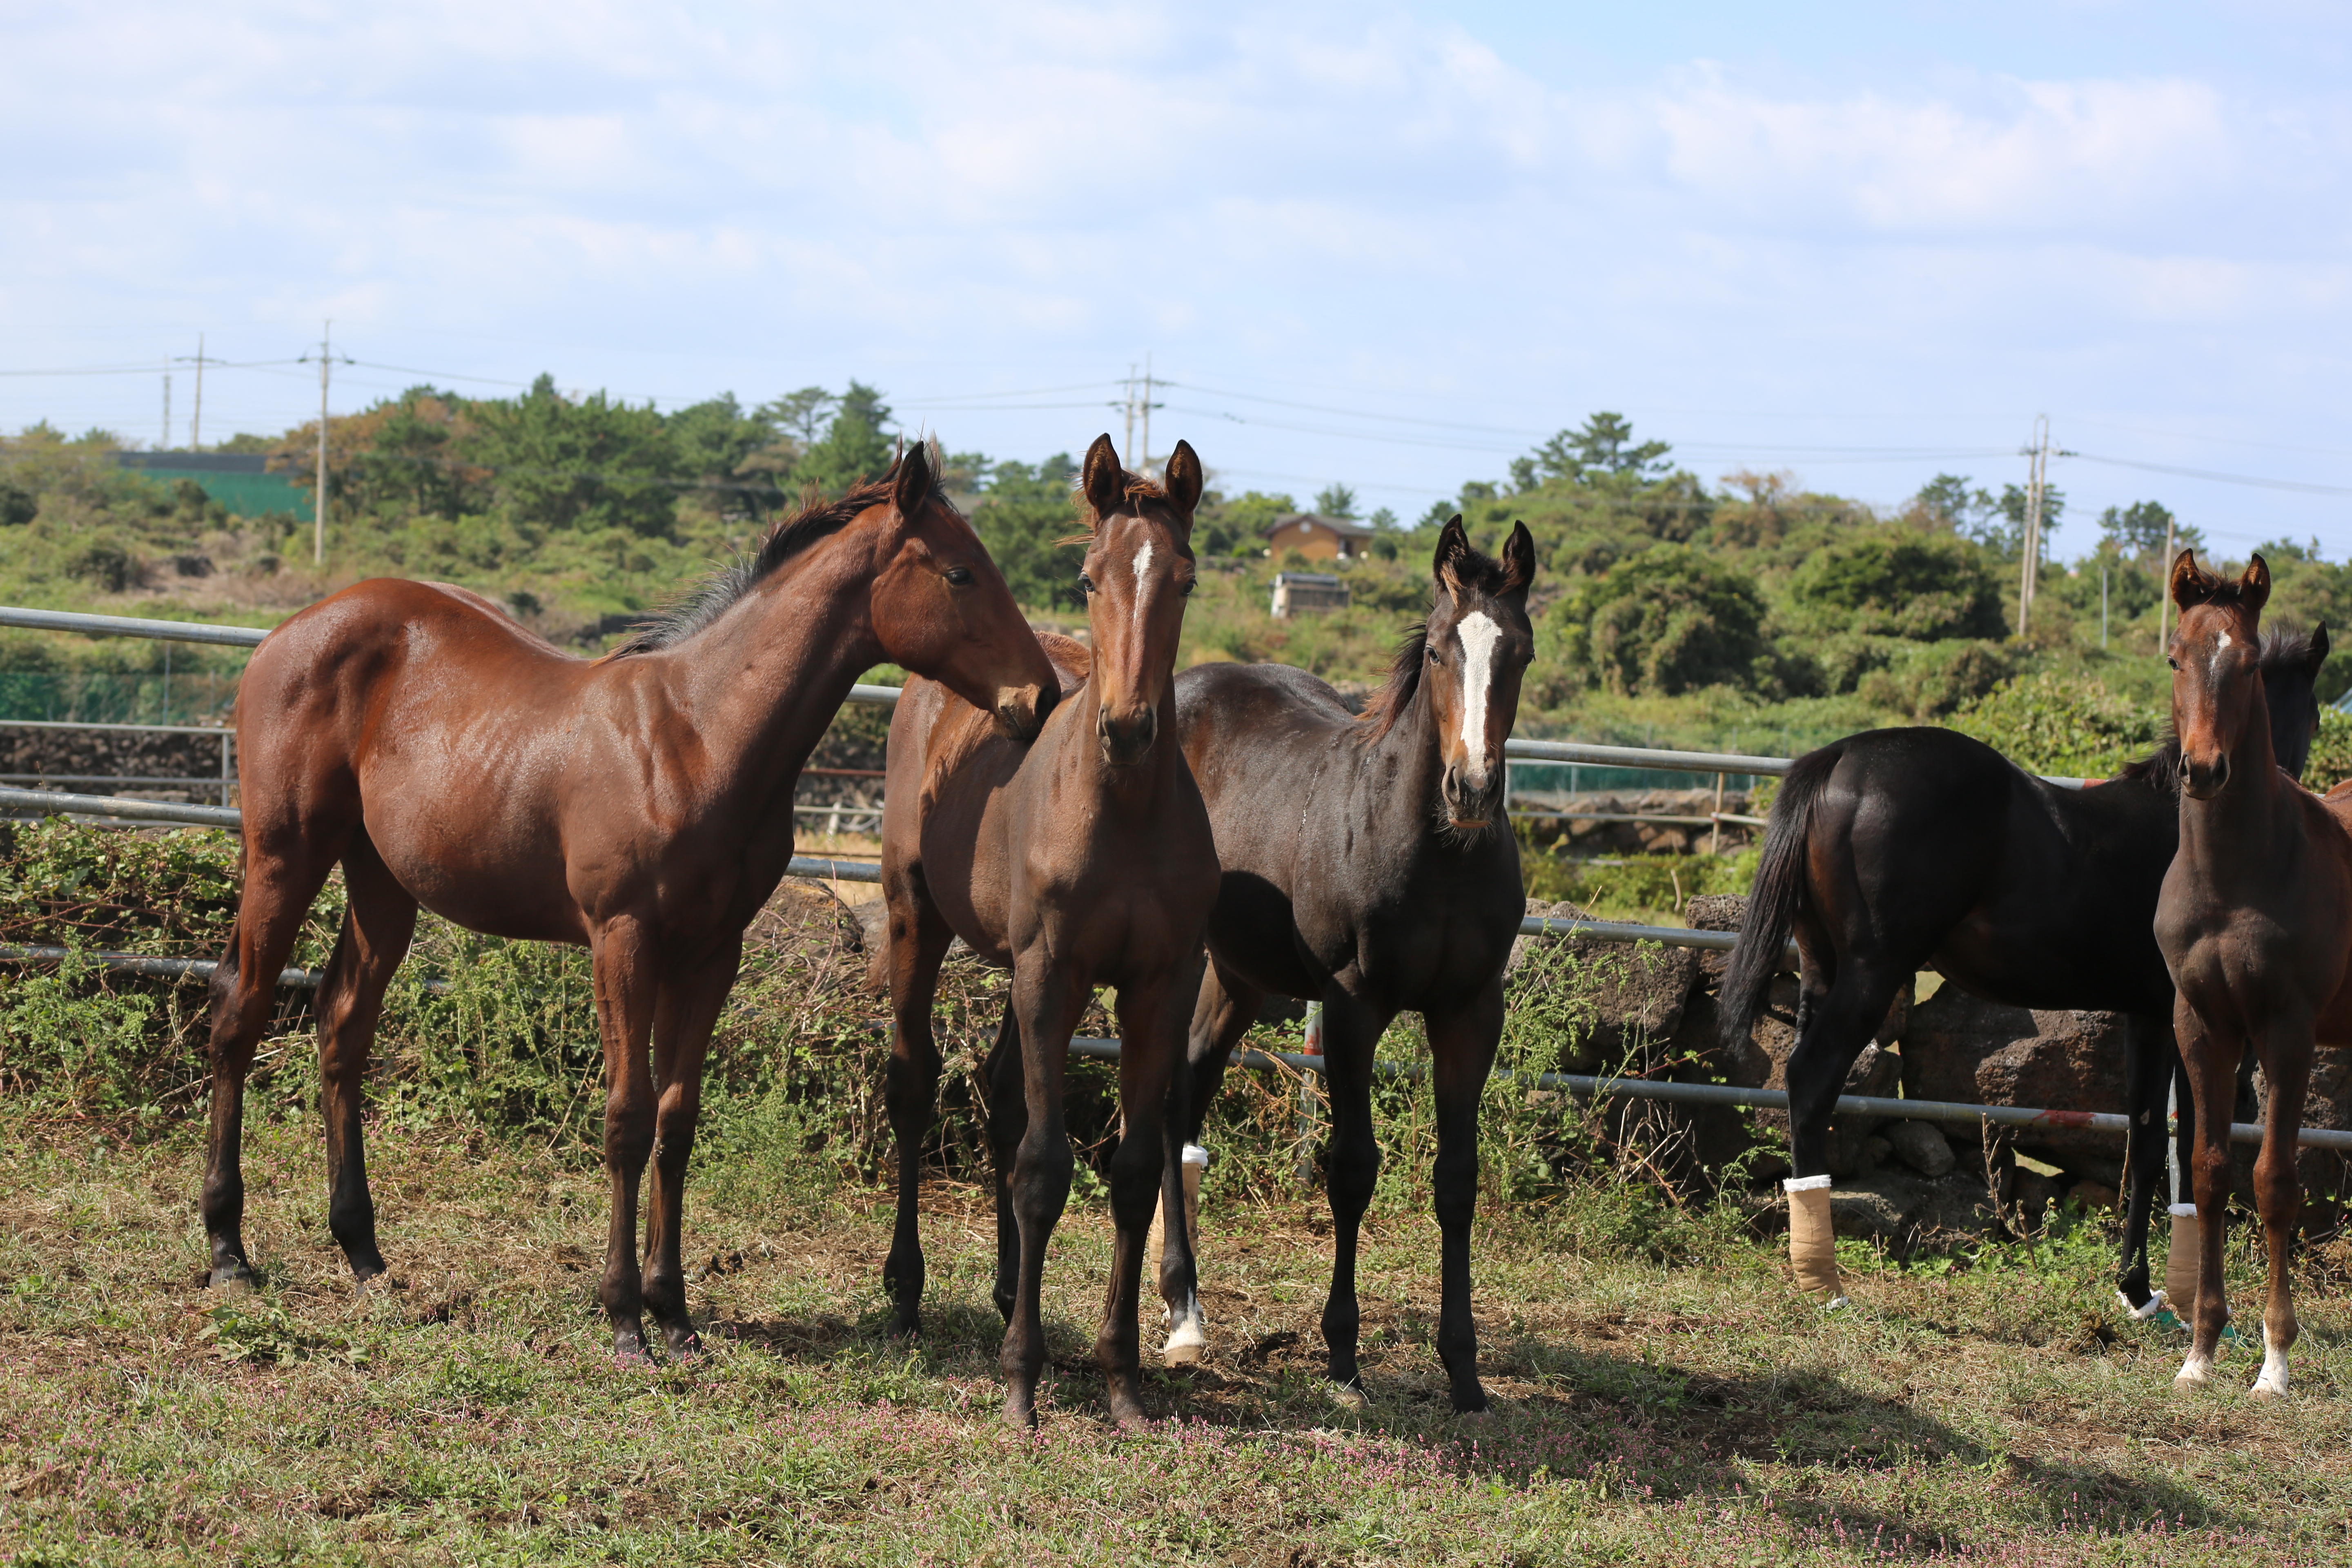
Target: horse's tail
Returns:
[[1779, 883]]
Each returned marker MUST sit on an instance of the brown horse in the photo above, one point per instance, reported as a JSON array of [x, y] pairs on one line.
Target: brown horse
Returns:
[[1082, 859], [2255, 921], [639, 803]]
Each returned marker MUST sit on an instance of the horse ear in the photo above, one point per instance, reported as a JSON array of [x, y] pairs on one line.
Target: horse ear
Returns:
[[2191, 584], [1453, 544], [1103, 477], [2319, 655], [911, 483], [1519, 559], [1183, 478], [2254, 585]]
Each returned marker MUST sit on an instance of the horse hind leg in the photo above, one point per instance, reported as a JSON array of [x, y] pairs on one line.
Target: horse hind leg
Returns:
[[379, 920], [1223, 1009], [281, 879], [2148, 1059]]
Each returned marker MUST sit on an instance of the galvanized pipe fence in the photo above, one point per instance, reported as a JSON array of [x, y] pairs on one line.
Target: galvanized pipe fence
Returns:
[[1556, 751]]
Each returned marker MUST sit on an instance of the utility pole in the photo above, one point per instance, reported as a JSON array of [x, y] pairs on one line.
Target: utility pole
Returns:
[[164, 445], [196, 425], [2037, 477], [1145, 468], [1129, 446], [1138, 406], [2164, 596], [2102, 600], [318, 520]]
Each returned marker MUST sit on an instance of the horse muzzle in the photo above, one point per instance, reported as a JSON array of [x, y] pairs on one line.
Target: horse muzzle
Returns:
[[1021, 710], [1127, 741], [1471, 801], [2204, 780]]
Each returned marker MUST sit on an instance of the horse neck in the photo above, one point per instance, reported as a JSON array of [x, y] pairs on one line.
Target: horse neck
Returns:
[[1132, 794], [2252, 810], [1411, 805], [758, 685]]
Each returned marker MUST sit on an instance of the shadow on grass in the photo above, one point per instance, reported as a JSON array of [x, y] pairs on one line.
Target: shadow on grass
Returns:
[[1630, 1427]]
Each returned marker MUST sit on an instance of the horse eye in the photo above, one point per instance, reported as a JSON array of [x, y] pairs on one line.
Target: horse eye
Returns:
[[2173, 662], [1436, 657], [961, 576], [1189, 585], [1086, 584]]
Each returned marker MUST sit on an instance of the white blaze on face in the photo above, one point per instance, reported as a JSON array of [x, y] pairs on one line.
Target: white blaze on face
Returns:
[[1478, 634], [1142, 567]]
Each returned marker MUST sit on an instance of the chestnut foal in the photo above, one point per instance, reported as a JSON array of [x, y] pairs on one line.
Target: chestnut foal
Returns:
[[2255, 921], [1082, 859], [640, 805]]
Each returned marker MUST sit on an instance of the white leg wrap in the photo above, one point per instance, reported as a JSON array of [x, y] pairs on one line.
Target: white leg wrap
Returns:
[[1188, 1334], [2181, 1259], [2154, 1305], [2272, 1383], [1813, 1239]]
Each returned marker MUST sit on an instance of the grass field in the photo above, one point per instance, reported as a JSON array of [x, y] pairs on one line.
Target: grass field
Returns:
[[1662, 1395]]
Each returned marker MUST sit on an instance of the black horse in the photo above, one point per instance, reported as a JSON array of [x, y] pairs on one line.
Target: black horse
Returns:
[[1897, 850], [1368, 866]]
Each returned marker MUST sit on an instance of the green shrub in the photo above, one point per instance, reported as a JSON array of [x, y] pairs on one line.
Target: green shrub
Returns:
[[1669, 620], [1901, 582], [2065, 724]]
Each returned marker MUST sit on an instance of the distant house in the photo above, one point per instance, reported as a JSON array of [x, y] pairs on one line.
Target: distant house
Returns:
[[1307, 593], [241, 481], [1318, 538]]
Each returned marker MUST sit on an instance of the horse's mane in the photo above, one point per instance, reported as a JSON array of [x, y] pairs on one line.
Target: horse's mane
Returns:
[[2282, 646], [708, 599], [1473, 570]]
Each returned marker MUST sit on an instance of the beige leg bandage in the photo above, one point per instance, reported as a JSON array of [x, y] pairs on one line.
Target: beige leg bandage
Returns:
[[1812, 1240], [1194, 1161], [2180, 1261]]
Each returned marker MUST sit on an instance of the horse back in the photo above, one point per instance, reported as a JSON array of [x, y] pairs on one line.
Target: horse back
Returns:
[[1329, 864]]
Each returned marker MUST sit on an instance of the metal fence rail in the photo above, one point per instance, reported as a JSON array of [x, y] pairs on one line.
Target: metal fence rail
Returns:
[[1724, 1094]]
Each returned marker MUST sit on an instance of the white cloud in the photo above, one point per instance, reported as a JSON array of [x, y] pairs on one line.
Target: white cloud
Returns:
[[1356, 200]]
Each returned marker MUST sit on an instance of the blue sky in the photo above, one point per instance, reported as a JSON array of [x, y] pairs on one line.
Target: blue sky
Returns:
[[1386, 246]]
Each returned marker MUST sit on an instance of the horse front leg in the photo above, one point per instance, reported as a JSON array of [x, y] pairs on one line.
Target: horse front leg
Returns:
[[626, 988], [1047, 1003], [1151, 1047], [1008, 1122], [2286, 1049], [1462, 1053], [1351, 1031], [2149, 1058], [685, 1011], [2212, 1064], [918, 942]]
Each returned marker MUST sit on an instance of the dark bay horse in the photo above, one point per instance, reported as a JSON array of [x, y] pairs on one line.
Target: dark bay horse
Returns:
[[638, 803], [1367, 866], [1082, 858], [2256, 922], [1897, 850]]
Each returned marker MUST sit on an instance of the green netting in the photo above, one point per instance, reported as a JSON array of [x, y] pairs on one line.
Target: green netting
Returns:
[[102, 697]]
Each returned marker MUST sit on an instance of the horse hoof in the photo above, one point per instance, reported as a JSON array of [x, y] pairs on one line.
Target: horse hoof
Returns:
[[236, 1276], [2193, 1377], [1018, 1414], [1474, 1403], [684, 1341], [1350, 1396]]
